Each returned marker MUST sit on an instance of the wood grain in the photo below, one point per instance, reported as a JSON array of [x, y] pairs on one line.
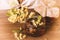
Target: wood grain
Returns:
[[6, 29]]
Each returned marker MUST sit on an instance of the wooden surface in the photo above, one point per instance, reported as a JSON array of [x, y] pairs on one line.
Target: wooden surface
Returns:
[[6, 29]]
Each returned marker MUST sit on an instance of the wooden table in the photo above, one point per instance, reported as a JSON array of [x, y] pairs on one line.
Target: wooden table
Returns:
[[6, 29]]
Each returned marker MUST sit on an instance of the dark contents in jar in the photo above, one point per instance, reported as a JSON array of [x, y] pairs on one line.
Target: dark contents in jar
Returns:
[[31, 30]]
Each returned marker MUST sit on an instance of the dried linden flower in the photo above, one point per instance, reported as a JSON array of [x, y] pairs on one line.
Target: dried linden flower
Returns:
[[13, 18], [22, 36], [31, 14]]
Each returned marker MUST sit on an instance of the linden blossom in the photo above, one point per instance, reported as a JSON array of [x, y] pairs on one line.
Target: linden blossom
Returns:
[[22, 15]]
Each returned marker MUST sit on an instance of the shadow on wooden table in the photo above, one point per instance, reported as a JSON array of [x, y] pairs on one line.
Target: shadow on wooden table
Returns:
[[6, 30]]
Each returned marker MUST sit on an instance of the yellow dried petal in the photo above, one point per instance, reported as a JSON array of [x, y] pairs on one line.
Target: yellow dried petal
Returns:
[[13, 18], [24, 36]]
